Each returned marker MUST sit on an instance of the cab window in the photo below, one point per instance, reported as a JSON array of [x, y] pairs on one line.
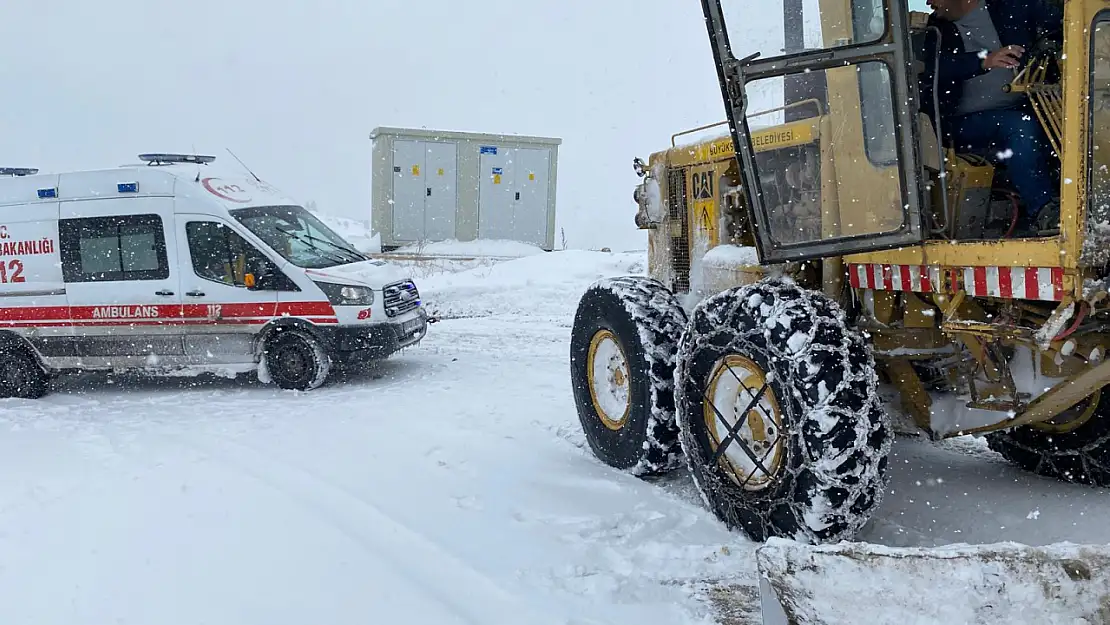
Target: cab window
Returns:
[[1097, 248], [868, 20], [798, 26], [117, 248], [219, 254], [877, 109]]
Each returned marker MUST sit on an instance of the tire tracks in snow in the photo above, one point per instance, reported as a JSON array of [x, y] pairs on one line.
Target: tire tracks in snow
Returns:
[[459, 587]]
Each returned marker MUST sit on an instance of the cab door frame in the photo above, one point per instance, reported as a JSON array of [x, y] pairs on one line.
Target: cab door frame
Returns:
[[892, 49]]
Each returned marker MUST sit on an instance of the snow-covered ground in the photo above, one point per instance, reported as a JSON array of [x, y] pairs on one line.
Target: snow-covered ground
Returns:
[[355, 231], [449, 485], [489, 249]]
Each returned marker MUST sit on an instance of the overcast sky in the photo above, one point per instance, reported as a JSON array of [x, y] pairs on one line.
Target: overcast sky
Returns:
[[294, 88]]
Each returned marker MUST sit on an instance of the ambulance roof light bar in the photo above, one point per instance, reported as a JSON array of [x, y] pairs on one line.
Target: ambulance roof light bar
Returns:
[[18, 171], [167, 159]]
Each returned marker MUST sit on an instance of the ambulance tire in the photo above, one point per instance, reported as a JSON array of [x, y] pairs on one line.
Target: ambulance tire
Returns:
[[21, 375], [295, 360]]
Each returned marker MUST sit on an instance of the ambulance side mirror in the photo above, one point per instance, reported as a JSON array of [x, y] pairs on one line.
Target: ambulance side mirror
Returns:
[[266, 281], [260, 282], [263, 275]]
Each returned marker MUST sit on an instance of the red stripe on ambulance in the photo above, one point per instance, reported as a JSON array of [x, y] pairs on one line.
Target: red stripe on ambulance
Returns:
[[155, 315]]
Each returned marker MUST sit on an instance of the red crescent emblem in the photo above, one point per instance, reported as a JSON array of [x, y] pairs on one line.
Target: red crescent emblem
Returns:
[[226, 190]]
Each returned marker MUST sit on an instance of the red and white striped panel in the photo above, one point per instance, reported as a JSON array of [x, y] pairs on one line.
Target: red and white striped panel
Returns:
[[1031, 283], [915, 278], [1036, 283]]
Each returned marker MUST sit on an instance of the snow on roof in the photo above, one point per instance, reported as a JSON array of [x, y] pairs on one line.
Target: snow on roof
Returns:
[[229, 187]]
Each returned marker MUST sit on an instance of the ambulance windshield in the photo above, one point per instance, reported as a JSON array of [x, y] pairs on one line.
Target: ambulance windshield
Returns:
[[298, 236]]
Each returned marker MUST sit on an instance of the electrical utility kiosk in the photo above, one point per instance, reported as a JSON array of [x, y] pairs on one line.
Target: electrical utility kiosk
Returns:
[[431, 185]]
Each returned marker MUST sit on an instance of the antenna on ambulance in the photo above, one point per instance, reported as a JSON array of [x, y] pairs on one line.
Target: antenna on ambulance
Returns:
[[257, 179], [243, 164]]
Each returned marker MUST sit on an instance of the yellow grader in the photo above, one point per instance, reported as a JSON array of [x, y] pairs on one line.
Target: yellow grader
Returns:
[[831, 243]]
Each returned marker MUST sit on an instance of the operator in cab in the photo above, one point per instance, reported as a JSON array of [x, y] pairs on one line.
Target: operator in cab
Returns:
[[983, 44]]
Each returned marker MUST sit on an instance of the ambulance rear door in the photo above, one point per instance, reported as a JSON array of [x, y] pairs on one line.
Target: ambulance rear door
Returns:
[[32, 292]]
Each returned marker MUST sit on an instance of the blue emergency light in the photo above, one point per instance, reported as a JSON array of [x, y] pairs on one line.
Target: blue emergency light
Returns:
[[45, 194], [18, 171], [128, 187]]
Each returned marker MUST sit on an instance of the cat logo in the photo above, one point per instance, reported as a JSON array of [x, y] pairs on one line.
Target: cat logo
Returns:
[[703, 186]]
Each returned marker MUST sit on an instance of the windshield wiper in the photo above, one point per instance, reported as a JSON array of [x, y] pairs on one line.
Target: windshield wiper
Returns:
[[304, 236], [333, 257]]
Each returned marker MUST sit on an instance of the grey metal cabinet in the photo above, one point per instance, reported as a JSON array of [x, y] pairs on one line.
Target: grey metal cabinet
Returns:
[[425, 190], [513, 194], [436, 186]]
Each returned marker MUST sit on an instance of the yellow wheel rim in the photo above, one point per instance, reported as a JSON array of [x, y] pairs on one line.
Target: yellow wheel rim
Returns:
[[733, 385], [1072, 419], [609, 380]]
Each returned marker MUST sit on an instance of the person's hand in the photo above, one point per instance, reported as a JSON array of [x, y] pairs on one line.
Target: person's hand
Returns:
[[1004, 58]]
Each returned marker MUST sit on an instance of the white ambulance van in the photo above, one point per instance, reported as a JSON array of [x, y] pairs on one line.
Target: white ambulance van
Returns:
[[164, 266]]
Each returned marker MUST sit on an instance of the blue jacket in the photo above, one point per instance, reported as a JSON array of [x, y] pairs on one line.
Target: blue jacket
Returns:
[[1018, 22]]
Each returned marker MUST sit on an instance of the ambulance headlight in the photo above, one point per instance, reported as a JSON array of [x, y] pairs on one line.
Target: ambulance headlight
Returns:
[[346, 295]]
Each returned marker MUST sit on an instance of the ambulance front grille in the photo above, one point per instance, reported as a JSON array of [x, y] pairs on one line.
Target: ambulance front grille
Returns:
[[400, 298]]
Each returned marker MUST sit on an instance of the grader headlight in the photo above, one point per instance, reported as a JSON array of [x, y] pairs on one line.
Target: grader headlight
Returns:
[[642, 219], [649, 203]]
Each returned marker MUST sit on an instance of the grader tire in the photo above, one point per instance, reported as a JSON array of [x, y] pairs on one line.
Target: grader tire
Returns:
[[819, 429], [1079, 456], [622, 355]]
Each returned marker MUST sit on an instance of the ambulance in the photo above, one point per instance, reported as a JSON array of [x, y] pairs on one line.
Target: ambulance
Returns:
[[164, 266]]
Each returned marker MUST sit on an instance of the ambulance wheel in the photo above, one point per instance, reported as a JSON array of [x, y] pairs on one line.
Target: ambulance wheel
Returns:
[[622, 354], [1073, 447], [295, 360], [771, 375], [21, 376]]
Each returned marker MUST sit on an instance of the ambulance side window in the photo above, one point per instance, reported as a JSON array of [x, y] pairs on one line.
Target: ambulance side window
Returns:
[[221, 255], [108, 249]]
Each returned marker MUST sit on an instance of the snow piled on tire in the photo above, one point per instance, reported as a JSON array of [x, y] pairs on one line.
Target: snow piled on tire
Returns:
[[807, 334], [660, 321]]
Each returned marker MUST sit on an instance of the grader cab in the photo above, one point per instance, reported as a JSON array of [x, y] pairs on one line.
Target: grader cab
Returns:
[[835, 238]]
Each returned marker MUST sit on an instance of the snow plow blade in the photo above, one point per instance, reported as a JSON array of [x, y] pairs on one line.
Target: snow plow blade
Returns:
[[1006, 583]]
